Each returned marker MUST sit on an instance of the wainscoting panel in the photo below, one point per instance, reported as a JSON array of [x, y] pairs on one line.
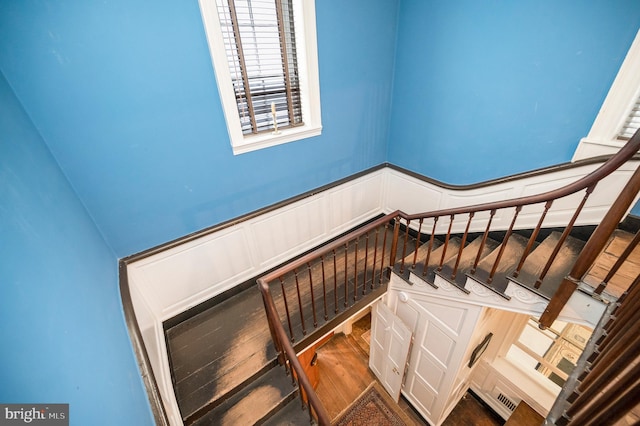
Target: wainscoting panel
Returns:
[[353, 204], [286, 232], [188, 274]]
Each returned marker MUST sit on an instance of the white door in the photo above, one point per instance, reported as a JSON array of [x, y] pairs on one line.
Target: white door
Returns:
[[390, 344]]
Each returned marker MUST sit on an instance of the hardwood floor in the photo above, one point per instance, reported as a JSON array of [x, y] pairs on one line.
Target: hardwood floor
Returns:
[[344, 374]]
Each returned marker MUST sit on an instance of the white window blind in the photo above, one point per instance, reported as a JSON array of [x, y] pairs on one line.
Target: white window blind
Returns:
[[260, 44], [632, 123]]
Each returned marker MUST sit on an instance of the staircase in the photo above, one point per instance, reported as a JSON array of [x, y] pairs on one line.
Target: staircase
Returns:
[[527, 287], [224, 363], [241, 353]]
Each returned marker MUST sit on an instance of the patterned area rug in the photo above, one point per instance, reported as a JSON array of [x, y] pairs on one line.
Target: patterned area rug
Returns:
[[373, 407]]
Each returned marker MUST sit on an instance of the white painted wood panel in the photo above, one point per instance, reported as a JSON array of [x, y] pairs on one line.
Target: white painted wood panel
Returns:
[[283, 233], [443, 329], [351, 205], [412, 195]]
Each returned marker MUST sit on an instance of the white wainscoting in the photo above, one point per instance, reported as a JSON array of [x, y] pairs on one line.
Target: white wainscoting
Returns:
[[170, 282], [412, 195]]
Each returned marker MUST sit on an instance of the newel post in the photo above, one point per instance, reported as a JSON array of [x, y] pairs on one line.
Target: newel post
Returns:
[[592, 249]]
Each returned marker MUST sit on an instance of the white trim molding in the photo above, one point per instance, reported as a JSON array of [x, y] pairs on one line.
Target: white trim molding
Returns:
[[602, 138]]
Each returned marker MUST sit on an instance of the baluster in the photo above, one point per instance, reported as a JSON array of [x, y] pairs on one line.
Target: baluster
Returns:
[[446, 244], [503, 246], [532, 239], [355, 273], [623, 257], [426, 260], [563, 237], [286, 307], [492, 213], [366, 259], [619, 332], [462, 244], [611, 410], [623, 315], [375, 257], [415, 252], [592, 248], [394, 242], [598, 380], [304, 329], [324, 289], [313, 299], [346, 279], [384, 249], [335, 282], [303, 394], [291, 372], [404, 246]]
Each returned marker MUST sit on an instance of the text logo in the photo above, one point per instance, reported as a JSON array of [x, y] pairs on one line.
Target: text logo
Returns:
[[34, 414]]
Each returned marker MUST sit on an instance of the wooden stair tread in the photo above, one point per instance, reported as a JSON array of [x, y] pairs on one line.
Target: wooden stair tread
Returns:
[[218, 350], [509, 262], [291, 414], [255, 403], [422, 252], [211, 391], [467, 260], [217, 333], [626, 274], [428, 273], [560, 268]]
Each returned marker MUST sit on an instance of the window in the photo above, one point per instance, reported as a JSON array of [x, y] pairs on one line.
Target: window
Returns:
[[550, 353], [619, 115], [265, 60], [632, 123]]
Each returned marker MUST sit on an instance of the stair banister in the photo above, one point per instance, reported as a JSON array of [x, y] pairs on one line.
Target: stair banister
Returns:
[[282, 344], [282, 341], [593, 247], [279, 336]]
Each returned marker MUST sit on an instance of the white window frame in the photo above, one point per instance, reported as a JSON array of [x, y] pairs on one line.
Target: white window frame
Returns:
[[602, 138], [307, 50]]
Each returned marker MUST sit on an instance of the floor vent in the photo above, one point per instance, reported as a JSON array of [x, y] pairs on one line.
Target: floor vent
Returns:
[[507, 402]]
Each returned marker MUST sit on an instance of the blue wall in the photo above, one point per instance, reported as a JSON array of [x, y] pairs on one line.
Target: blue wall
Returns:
[[486, 89], [113, 107], [63, 334], [123, 93]]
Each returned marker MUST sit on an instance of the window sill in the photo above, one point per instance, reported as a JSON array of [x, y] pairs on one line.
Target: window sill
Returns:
[[265, 140], [592, 147]]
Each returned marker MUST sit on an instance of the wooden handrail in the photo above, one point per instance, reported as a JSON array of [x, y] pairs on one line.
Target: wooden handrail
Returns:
[[340, 242], [612, 164], [592, 248], [282, 343]]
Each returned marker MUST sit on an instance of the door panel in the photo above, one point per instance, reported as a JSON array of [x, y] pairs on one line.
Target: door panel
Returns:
[[390, 344]]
